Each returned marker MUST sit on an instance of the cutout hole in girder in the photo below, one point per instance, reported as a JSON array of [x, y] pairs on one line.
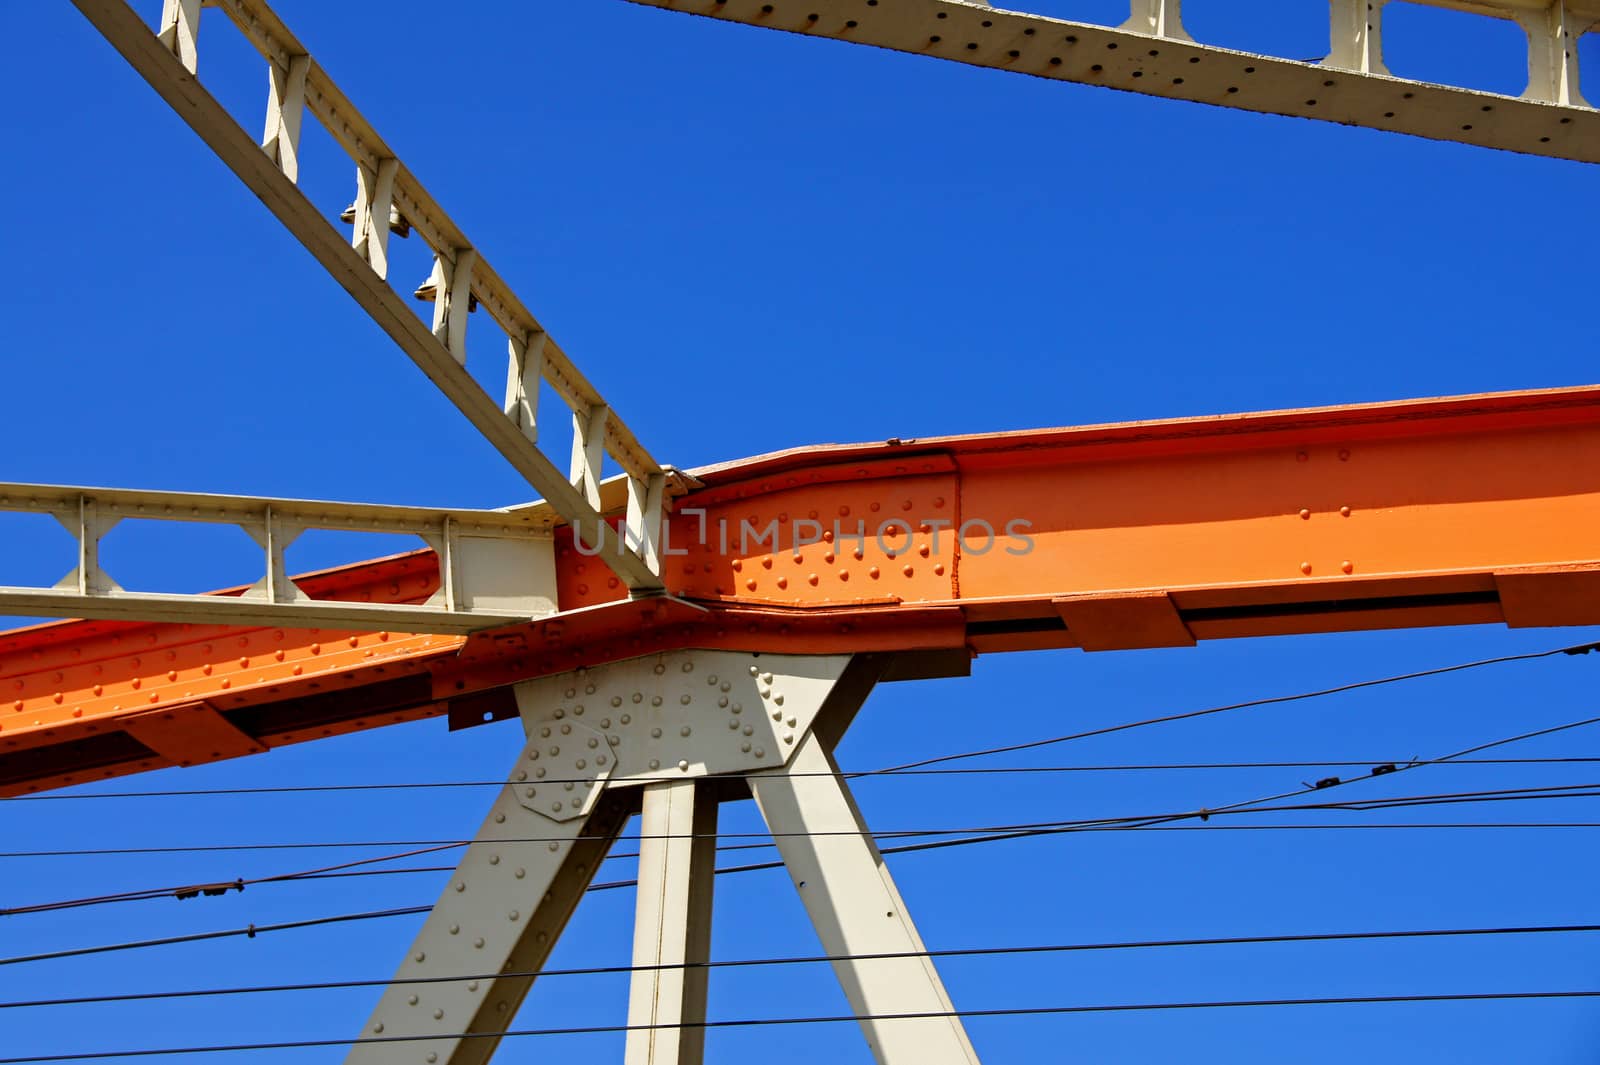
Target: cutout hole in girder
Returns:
[[1288, 29], [36, 551], [159, 555], [1448, 47], [321, 549], [231, 70], [1588, 47]]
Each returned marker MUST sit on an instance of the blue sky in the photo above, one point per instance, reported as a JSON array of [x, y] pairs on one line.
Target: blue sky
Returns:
[[752, 241]]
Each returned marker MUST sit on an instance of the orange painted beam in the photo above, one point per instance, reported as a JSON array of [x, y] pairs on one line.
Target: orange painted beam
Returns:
[[1430, 512]]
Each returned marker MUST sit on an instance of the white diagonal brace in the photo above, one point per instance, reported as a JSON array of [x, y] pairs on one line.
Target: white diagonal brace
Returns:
[[148, 55], [501, 913], [672, 925], [1177, 68], [286, 104], [857, 909]]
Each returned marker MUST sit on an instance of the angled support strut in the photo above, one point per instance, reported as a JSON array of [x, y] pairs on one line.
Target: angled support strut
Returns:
[[653, 733]]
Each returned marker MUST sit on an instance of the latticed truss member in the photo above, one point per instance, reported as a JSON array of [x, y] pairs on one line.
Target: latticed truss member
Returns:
[[670, 641]]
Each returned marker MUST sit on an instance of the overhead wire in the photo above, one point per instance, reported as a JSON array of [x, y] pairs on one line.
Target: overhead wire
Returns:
[[844, 1018], [818, 959]]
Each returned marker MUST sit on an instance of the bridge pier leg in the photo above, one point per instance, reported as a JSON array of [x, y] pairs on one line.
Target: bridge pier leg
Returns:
[[856, 909], [672, 925]]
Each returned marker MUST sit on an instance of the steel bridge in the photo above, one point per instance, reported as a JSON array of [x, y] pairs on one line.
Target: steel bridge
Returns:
[[672, 639]]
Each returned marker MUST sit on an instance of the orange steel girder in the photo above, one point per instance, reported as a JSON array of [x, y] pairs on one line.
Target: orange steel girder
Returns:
[[1449, 511]]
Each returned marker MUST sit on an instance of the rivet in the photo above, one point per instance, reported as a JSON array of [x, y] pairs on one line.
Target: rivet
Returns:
[[1344, 512], [1305, 515], [684, 731], [760, 753], [411, 1000], [684, 700], [655, 733], [683, 765], [454, 929], [500, 819], [461, 885], [938, 569], [1305, 567], [1347, 566], [655, 763], [1301, 456], [745, 747], [420, 956]]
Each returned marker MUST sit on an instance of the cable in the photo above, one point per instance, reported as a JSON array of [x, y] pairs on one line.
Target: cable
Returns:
[[251, 931], [754, 1022], [1576, 649], [859, 774], [424, 846], [817, 959]]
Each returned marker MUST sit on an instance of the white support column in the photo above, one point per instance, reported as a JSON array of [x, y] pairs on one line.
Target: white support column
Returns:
[[856, 909], [286, 104], [1356, 36], [372, 223], [180, 31], [589, 451], [672, 927], [85, 522], [449, 286], [1553, 54], [646, 497], [1158, 18], [524, 372]]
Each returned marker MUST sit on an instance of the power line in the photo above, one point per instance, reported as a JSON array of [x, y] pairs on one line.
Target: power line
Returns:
[[420, 846], [1576, 649], [755, 1022], [253, 930], [817, 959], [859, 774]]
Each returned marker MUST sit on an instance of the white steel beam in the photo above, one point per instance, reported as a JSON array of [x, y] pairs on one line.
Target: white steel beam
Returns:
[[672, 926], [497, 567], [1152, 54], [162, 62], [856, 908]]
